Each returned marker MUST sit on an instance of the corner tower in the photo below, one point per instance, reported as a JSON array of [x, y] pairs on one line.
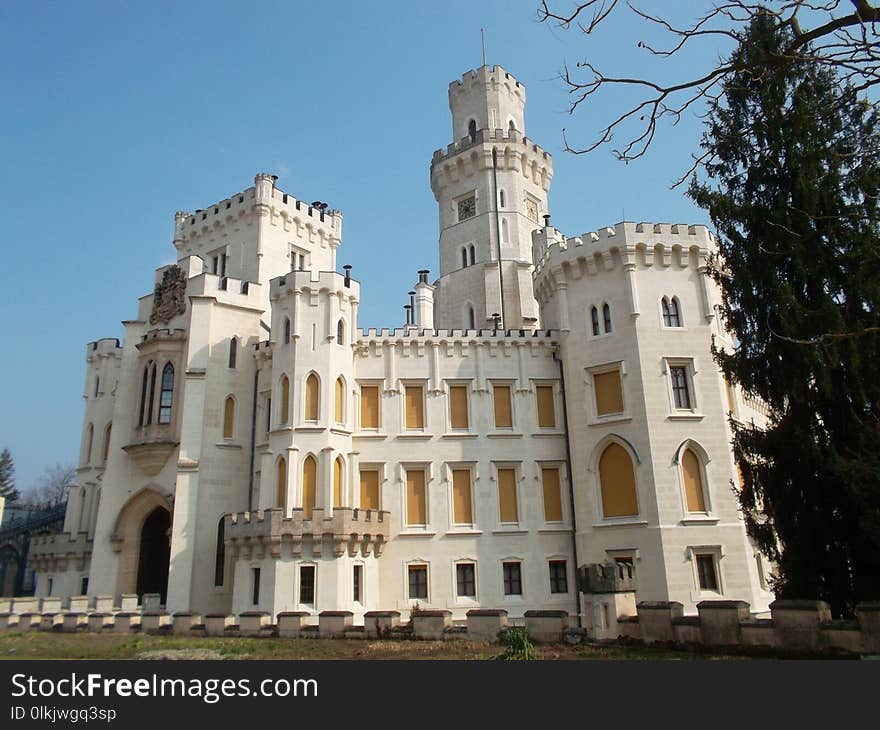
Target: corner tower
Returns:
[[491, 188]]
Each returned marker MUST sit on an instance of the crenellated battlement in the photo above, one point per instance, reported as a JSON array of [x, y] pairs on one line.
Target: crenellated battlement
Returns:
[[515, 140], [643, 244], [314, 281], [413, 333], [486, 74], [105, 347]]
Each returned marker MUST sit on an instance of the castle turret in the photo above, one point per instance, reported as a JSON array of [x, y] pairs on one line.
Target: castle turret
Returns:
[[491, 187]]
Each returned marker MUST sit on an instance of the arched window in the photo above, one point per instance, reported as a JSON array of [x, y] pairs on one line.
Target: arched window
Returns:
[[472, 128], [105, 452], [97, 385], [511, 126], [312, 398], [144, 396], [286, 338], [618, 482], [473, 254], [167, 395], [284, 406], [464, 258], [228, 417], [501, 202], [340, 401], [90, 437], [340, 332], [233, 352], [692, 477], [337, 482], [151, 394], [220, 555], [309, 486], [472, 319], [671, 315], [281, 485], [594, 317], [606, 316]]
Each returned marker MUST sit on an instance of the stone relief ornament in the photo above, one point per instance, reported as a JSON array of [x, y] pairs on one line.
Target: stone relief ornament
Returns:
[[169, 297]]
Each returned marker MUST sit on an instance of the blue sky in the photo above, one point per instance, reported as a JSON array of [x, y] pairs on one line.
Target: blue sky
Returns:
[[117, 114]]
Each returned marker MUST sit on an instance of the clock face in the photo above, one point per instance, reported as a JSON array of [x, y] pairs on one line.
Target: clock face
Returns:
[[467, 208], [532, 210]]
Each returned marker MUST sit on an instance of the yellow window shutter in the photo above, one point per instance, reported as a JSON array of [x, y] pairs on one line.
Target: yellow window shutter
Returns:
[[693, 482], [311, 398], [228, 418], [462, 509], [340, 400], [546, 411], [309, 486], [415, 407], [503, 411], [609, 395], [458, 406], [369, 406], [416, 508], [337, 482], [618, 483], [507, 495], [370, 490], [281, 492], [552, 494]]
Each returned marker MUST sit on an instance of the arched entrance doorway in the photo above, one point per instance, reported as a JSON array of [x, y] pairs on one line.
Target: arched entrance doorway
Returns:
[[154, 553]]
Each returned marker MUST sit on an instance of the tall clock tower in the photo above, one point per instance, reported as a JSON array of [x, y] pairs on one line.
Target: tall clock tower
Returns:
[[491, 188]]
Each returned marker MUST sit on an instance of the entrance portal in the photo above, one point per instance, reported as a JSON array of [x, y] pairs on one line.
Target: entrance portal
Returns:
[[154, 554]]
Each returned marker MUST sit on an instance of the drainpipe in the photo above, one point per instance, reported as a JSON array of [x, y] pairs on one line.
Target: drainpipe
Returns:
[[498, 233], [253, 442], [574, 546]]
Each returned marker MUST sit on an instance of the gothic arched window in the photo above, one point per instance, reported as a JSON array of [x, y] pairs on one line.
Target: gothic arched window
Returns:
[[286, 336], [594, 317], [167, 395], [618, 482], [473, 254], [606, 316], [220, 555], [472, 128], [340, 332], [233, 351]]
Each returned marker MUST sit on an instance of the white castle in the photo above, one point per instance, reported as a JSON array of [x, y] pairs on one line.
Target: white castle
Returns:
[[550, 403]]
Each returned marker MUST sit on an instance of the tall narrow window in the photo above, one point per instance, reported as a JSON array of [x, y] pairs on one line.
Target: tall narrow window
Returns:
[[594, 318], [370, 407], [97, 385], [152, 393], [473, 252], [281, 485], [472, 128], [233, 352], [418, 581], [255, 598], [465, 580], [286, 336], [339, 405], [340, 332], [357, 583], [606, 316], [307, 584], [502, 406], [414, 406], [706, 572], [228, 417], [546, 410], [552, 494], [143, 407], [472, 318], [90, 437], [220, 554], [284, 406], [370, 489], [458, 406], [512, 579], [309, 486], [671, 316], [680, 392], [416, 503], [692, 476], [618, 483], [507, 495], [464, 258], [558, 576], [105, 452], [501, 202], [337, 482], [312, 398], [462, 507], [167, 395], [609, 395]]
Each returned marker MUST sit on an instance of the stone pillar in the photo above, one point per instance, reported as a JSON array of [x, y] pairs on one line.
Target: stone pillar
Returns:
[[430, 624], [216, 623], [290, 623], [378, 624], [73, 620], [868, 615], [183, 622], [484, 624], [153, 621], [97, 622], [655, 619], [125, 623], [128, 602], [796, 623], [79, 604], [103, 604], [546, 626], [251, 623], [332, 624], [720, 622], [151, 601]]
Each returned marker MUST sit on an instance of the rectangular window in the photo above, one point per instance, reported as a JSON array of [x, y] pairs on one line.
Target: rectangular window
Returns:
[[552, 494], [370, 489], [546, 409], [466, 585], [307, 584], [458, 406], [558, 576], [84, 586], [706, 572], [512, 579], [357, 578], [49, 588], [268, 415], [503, 410], [680, 392], [415, 406], [462, 509], [609, 394], [416, 502], [507, 495], [370, 407], [255, 598], [418, 581]]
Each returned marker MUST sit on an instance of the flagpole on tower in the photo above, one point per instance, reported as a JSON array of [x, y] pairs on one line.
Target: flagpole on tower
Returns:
[[483, 39]]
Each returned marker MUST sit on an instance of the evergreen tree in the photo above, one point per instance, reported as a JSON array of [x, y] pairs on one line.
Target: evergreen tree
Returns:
[[7, 478], [792, 192]]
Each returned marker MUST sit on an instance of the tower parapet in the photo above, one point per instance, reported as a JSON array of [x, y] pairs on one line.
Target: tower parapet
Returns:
[[490, 97]]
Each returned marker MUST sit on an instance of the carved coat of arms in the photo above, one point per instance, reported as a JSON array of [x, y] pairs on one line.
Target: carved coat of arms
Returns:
[[169, 297]]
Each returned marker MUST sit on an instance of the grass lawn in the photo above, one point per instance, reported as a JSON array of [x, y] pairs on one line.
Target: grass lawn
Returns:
[[43, 645]]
